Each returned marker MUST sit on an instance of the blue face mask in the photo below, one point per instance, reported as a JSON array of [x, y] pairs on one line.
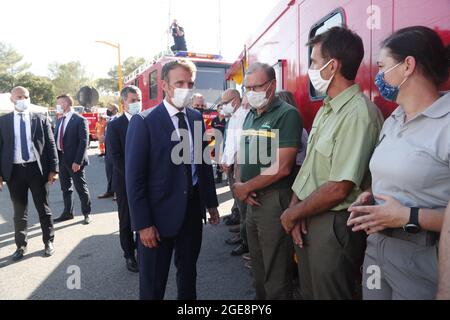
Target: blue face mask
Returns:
[[134, 108], [388, 91]]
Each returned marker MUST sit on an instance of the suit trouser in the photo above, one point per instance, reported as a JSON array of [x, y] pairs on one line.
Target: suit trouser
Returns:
[[241, 205], [109, 173], [270, 247], [69, 179], [154, 263], [126, 234], [24, 178], [406, 270], [331, 258]]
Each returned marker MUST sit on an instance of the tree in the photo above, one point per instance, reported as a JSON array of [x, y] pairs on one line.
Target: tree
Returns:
[[68, 77], [107, 99], [10, 61], [110, 84], [42, 91], [6, 82]]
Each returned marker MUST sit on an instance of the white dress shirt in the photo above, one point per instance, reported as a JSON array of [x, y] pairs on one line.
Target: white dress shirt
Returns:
[[68, 115], [128, 116], [17, 139], [233, 135], [173, 116]]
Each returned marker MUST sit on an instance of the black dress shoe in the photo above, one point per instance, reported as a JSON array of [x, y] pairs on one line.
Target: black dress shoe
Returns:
[[235, 229], [49, 249], [87, 219], [132, 264], [63, 217], [106, 195], [234, 240], [19, 254], [239, 250]]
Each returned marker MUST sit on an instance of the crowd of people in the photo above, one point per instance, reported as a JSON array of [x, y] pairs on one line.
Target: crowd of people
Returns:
[[355, 207]]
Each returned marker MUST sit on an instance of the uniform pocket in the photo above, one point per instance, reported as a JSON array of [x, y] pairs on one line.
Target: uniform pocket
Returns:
[[340, 228], [325, 147]]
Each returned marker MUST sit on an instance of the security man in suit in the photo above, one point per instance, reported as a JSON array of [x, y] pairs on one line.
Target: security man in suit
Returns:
[[117, 132], [72, 136], [28, 162], [169, 185]]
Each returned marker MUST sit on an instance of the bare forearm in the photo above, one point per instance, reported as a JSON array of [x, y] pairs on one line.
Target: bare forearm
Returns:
[[262, 181], [294, 200], [444, 260], [431, 219]]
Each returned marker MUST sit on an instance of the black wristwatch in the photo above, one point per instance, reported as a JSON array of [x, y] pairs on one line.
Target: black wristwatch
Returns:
[[413, 224]]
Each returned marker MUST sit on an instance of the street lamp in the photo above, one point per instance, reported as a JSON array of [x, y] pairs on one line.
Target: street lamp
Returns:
[[119, 68]]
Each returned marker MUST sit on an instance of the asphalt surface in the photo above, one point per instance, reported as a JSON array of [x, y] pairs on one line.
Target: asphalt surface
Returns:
[[93, 252]]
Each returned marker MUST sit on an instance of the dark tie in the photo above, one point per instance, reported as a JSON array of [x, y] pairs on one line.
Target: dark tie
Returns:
[[183, 125], [61, 134], [23, 138]]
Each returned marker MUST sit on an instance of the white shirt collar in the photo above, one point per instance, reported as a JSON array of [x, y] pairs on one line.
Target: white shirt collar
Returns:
[[127, 115], [171, 109], [26, 112], [68, 114]]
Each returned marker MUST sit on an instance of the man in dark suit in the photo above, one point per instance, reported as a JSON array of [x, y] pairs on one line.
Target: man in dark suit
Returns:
[[28, 162], [116, 138], [169, 185], [72, 136], [112, 113]]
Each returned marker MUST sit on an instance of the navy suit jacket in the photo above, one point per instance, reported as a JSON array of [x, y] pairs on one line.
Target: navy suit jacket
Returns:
[[156, 187], [116, 134], [75, 140], [43, 143]]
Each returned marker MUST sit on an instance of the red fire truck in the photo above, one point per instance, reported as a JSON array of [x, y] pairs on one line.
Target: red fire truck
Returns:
[[210, 80], [281, 39]]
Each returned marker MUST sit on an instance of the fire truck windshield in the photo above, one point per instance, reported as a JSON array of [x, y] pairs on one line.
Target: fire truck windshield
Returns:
[[210, 82]]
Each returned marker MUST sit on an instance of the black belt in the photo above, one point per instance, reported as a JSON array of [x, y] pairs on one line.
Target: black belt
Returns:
[[423, 238], [25, 164]]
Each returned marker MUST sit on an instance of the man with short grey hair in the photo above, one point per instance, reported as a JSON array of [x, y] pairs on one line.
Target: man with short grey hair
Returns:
[[117, 132], [169, 187], [265, 183], [198, 102]]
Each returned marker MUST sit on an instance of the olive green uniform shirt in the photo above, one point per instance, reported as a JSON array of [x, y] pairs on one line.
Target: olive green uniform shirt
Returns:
[[280, 126], [340, 145]]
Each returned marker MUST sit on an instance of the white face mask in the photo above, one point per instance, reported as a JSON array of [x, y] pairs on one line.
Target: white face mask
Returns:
[[134, 108], [228, 109], [257, 100], [22, 105], [321, 85], [181, 97], [59, 109]]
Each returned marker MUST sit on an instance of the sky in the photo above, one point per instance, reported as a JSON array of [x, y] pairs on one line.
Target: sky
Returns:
[[47, 31]]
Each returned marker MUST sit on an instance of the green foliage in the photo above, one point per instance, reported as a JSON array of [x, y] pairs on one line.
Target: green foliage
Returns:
[[69, 77], [111, 83], [10, 61]]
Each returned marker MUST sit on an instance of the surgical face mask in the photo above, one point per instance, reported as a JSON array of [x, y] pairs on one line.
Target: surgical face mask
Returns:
[[228, 109], [181, 97], [320, 84], [22, 105], [59, 109], [134, 108], [388, 91], [257, 100]]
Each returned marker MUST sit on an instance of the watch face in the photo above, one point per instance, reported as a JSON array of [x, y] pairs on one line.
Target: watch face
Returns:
[[412, 228]]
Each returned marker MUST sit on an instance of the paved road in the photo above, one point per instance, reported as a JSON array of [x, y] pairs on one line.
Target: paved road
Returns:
[[95, 250]]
